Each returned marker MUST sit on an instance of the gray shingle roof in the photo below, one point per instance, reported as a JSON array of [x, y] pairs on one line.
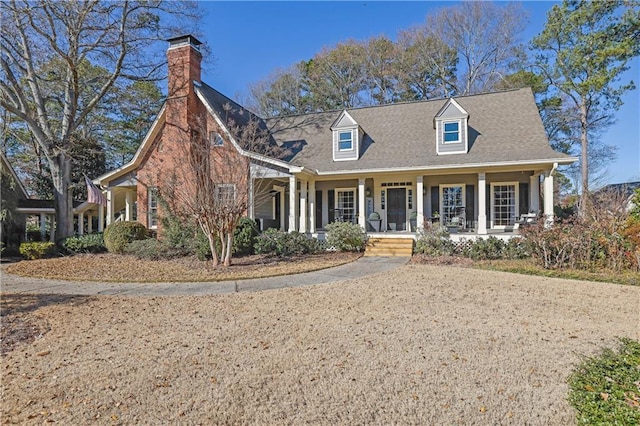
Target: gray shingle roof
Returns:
[[503, 127]]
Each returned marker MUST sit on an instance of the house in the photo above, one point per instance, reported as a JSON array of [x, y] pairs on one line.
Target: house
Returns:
[[480, 161], [12, 223], [19, 209], [624, 191]]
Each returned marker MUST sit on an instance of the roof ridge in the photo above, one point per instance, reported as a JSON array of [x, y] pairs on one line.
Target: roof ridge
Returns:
[[417, 101]]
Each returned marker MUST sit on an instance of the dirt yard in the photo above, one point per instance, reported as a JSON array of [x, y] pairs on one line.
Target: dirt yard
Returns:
[[423, 344]]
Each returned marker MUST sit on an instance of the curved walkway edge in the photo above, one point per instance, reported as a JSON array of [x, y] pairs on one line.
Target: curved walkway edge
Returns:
[[362, 267]]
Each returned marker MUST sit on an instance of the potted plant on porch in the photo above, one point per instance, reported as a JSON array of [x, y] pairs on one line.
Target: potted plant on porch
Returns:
[[375, 221]]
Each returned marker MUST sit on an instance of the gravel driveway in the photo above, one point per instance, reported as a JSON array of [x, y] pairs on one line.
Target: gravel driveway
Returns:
[[420, 344]]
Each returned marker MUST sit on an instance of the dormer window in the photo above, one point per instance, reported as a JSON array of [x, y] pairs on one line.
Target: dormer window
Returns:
[[345, 141], [347, 138], [452, 132], [451, 126]]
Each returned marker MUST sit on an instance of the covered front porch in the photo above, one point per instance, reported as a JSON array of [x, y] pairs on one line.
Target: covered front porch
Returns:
[[470, 204]]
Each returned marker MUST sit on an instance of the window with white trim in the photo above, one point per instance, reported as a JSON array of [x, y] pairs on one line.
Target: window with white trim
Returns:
[[345, 140], [345, 205], [504, 203], [225, 193], [452, 199], [215, 139], [451, 132], [152, 210]]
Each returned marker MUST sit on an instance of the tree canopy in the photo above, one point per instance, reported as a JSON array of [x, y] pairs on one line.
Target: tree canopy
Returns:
[[61, 61], [582, 52]]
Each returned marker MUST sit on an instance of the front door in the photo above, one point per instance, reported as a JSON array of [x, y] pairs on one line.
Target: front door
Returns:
[[397, 209]]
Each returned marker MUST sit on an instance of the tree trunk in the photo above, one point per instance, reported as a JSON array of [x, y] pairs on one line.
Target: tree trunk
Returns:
[[584, 139], [212, 247], [227, 254], [62, 201]]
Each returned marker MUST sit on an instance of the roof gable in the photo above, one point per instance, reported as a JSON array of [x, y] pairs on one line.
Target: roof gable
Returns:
[[451, 109], [344, 120]]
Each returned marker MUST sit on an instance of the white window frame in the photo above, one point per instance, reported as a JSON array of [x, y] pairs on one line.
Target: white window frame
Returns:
[[219, 186], [444, 132], [355, 201], [350, 131], [215, 139], [152, 211], [492, 200], [443, 215]]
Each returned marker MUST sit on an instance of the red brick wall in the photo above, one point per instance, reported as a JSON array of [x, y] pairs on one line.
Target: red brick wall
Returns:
[[166, 164]]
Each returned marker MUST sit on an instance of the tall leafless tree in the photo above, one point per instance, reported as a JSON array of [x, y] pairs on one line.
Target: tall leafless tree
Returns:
[[116, 35]]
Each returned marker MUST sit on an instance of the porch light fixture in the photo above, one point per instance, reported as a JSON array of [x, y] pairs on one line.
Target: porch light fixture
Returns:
[[367, 192]]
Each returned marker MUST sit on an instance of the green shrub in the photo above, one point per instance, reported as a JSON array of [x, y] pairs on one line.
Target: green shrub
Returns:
[[280, 243], [178, 234], [486, 249], [37, 249], [89, 243], [434, 242], [604, 389], [151, 249], [119, 234], [517, 248], [244, 236], [202, 247], [345, 236]]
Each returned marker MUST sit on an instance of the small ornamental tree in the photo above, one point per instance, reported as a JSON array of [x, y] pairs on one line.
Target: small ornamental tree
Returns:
[[212, 185]]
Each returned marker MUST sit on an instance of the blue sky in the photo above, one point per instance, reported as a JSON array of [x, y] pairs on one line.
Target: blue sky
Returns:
[[250, 40]]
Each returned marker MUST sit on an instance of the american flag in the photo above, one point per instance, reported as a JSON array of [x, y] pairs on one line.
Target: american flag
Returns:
[[94, 195]]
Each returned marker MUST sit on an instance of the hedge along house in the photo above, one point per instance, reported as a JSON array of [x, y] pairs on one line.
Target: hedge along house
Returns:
[[480, 162]]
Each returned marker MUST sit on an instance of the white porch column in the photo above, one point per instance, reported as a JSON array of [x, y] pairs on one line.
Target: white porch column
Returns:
[[548, 197], [110, 207], [312, 206], [419, 203], [281, 191], [482, 204], [361, 204], [303, 206], [100, 218], [52, 228], [128, 206], [89, 223], [534, 193], [251, 200], [43, 225], [292, 203], [81, 223]]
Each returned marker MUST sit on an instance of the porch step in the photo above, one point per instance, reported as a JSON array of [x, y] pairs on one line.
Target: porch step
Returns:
[[389, 247]]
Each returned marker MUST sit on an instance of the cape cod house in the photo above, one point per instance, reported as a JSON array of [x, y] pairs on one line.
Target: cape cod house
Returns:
[[480, 162]]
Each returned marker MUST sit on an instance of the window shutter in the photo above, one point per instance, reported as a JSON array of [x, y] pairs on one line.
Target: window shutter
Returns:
[[331, 200], [439, 132], [488, 202], [318, 217], [435, 200], [470, 207], [524, 197]]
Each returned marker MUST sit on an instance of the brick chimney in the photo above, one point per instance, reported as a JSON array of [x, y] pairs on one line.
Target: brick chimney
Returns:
[[184, 59], [183, 106]]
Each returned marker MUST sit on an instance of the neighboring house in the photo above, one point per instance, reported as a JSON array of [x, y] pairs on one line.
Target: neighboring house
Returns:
[[478, 160], [12, 222], [18, 208], [624, 190]]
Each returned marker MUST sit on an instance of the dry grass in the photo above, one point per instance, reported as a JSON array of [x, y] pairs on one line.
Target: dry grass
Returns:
[[119, 268], [422, 344]]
